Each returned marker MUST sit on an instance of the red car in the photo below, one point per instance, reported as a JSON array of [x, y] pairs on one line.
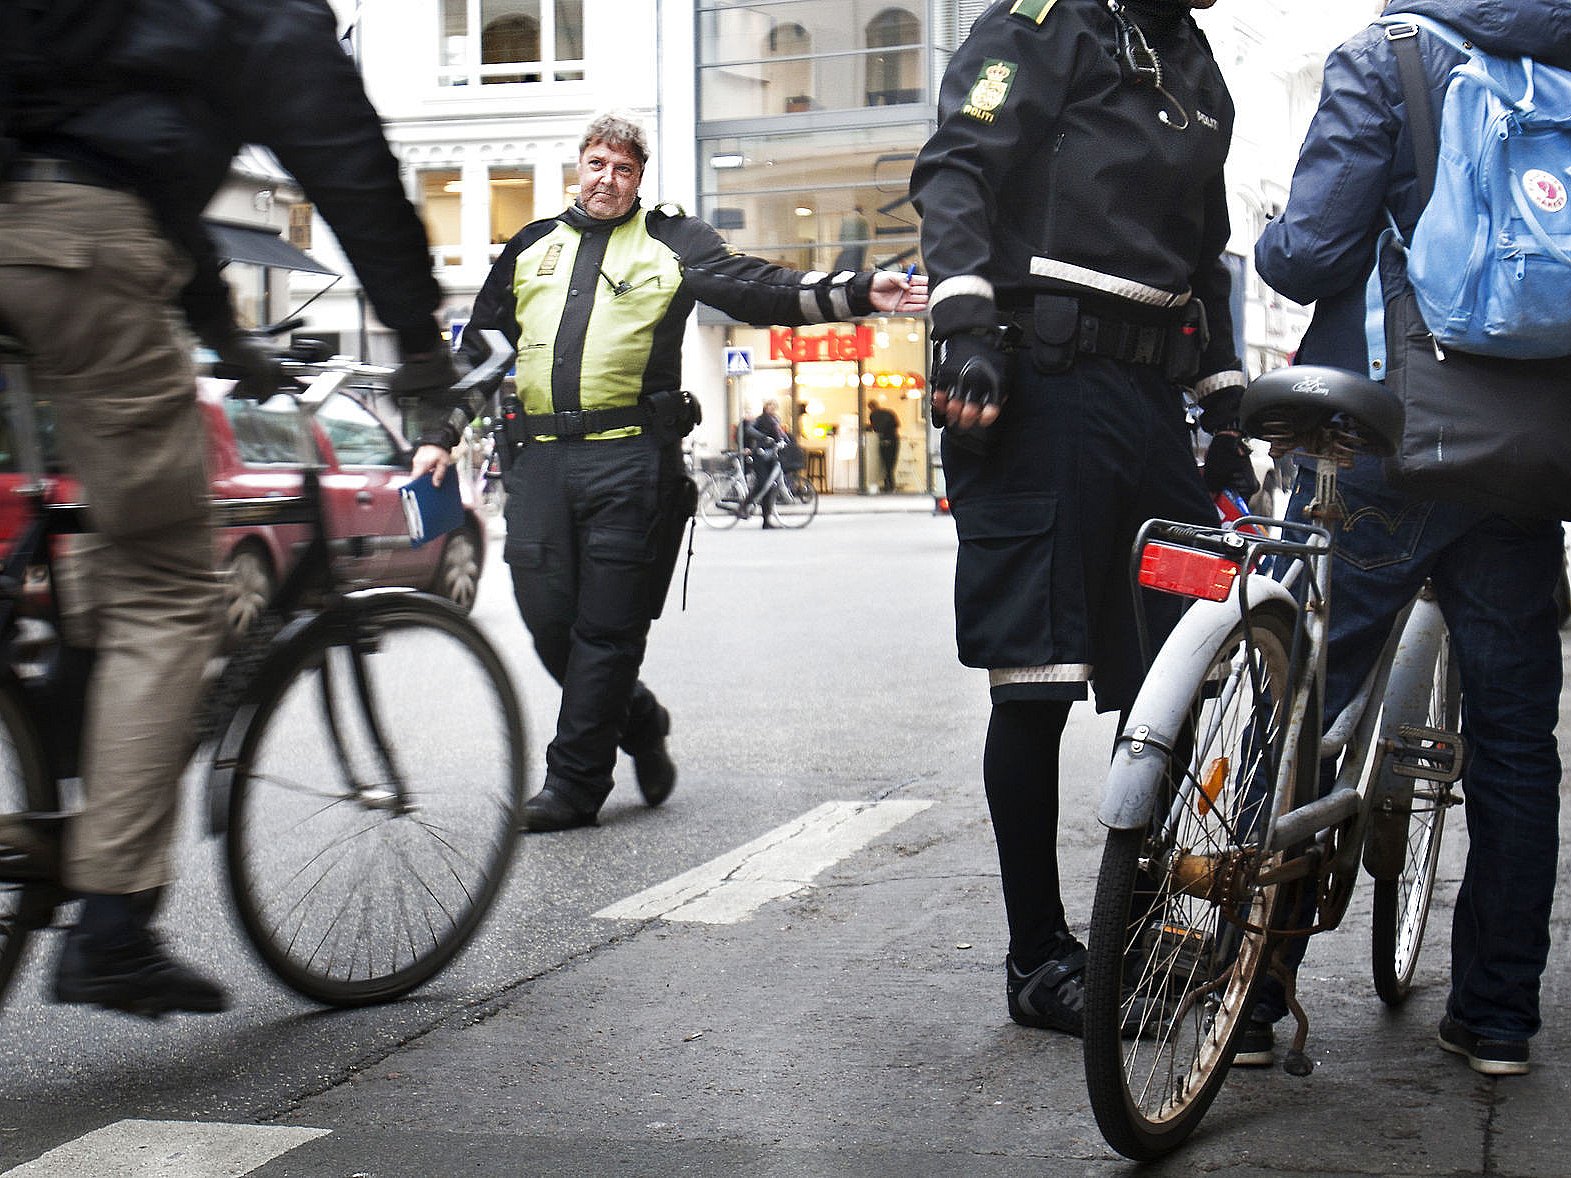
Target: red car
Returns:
[[255, 450]]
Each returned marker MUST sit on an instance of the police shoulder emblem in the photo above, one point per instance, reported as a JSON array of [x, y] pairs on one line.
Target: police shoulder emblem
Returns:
[[990, 90], [1035, 10]]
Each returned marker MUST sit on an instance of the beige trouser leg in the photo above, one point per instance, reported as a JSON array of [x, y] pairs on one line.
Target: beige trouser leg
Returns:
[[86, 281]]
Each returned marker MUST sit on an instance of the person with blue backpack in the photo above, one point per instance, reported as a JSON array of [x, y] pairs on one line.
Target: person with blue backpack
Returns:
[[1358, 179]]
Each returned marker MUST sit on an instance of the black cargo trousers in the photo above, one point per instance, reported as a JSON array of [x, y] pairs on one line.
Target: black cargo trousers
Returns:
[[589, 541]]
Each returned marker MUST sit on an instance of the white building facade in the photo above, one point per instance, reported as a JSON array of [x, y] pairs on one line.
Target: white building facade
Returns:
[[790, 125]]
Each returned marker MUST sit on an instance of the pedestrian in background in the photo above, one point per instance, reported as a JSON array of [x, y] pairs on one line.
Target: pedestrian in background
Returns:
[[117, 127], [596, 301], [886, 428], [1074, 215]]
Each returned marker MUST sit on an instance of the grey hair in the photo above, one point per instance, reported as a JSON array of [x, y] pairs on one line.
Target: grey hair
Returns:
[[619, 132]]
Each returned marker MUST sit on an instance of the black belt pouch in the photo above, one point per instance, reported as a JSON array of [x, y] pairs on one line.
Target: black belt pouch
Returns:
[[1055, 326]]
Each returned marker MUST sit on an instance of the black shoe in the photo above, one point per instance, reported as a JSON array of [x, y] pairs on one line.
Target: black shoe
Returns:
[[1256, 1045], [1489, 1057], [546, 813], [1053, 995], [135, 974]]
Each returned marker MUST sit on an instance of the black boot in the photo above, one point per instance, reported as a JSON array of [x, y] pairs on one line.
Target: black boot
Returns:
[[113, 959], [653, 767]]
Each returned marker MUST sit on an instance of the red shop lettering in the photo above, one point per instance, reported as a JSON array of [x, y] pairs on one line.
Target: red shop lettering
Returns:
[[785, 344]]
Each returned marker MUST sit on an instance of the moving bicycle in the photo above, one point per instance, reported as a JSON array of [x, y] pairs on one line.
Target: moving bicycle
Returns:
[[362, 851]]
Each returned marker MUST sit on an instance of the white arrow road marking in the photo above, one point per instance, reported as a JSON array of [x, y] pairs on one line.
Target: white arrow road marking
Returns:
[[733, 886], [167, 1149]]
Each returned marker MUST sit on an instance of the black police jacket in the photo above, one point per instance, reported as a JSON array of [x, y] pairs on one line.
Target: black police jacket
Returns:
[[171, 90], [1056, 166]]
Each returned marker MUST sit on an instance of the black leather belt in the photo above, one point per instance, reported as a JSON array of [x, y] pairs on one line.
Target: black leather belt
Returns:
[[575, 423], [39, 170]]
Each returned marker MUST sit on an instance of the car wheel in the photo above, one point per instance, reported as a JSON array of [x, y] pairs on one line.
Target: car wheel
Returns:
[[248, 587], [458, 572]]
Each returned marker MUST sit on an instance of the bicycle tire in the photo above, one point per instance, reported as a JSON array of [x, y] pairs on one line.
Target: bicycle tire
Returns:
[[1171, 970], [352, 891], [796, 503], [1400, 907], [719, 499], [29, 852]]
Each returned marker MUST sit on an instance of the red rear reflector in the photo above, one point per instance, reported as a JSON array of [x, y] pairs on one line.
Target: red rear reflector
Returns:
[[1187, 572]]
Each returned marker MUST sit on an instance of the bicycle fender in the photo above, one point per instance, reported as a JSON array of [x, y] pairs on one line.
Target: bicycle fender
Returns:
[[1406, 701], [226, 747], [1141, 752]]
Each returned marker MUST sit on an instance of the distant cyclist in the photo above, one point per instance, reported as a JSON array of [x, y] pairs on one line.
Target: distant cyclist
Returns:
[[118, 123], [763, 437]]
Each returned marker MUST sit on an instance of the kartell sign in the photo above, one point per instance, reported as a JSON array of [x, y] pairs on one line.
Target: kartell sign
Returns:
[[786, 344]]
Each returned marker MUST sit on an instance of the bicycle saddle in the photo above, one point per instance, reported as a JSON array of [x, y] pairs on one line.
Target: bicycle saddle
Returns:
[[1323, 410]]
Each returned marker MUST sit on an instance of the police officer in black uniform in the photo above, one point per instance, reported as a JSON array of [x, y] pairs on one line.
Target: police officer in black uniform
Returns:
[[596, 301], [1074, 217]]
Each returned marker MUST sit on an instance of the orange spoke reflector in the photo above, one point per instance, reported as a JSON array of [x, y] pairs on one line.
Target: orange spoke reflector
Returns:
[[1211, 787], [1187, 572]]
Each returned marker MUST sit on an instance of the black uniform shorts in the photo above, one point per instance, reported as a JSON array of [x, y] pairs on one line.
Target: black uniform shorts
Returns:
[[1046, 518]]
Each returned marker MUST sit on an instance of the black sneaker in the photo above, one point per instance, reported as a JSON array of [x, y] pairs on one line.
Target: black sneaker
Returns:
[[1490, 1057], [1256, 1045], [1053, 995], [546, 813], [135, 974]]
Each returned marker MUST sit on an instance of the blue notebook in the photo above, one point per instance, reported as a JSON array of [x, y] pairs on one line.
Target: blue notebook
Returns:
[[431, 512]]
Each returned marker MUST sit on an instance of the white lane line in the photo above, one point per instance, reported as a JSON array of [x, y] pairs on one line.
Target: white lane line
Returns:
[[167, 1149], [733, 886]]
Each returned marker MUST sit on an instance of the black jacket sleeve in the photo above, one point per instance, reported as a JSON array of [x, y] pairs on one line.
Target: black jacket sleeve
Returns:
[[298, 94], [753, 290]]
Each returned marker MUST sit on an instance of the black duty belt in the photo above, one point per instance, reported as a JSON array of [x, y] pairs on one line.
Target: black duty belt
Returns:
[[51, 171], [1117, 339], [1101, 335], [575, 423]]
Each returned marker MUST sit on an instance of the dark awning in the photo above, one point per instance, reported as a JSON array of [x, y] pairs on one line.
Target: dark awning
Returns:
[[260, 247]]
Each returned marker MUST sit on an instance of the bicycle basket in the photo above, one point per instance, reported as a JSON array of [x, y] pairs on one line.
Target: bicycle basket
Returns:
[[792, 457]]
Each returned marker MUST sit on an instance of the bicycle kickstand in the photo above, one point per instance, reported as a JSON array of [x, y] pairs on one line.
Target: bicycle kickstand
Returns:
[[1295, 1062]]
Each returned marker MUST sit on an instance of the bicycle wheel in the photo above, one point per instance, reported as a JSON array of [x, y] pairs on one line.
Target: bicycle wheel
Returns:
[[1177, 943], [29, 831], [719, 499], [1401, 905], [376, 798], [796, 501]]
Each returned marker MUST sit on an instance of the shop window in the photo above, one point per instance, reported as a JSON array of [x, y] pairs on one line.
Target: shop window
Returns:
[[485, 42], [441, 201], [894, 68]]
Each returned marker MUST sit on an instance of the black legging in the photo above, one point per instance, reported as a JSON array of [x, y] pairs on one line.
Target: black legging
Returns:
[[1020, 771]]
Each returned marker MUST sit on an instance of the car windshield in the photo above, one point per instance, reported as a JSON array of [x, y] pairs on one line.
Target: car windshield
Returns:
[[271, 432], [359, 438]]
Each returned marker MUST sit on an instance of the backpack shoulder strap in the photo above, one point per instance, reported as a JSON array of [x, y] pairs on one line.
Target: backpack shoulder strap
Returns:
[[1420, 105]]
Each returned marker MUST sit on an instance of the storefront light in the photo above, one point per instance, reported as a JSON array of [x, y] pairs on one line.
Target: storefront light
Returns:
[[803, 211], [725, 161], [867, 379]]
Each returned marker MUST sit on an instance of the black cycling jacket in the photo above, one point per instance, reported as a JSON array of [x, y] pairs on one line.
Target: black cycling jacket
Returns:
[[178, 87]]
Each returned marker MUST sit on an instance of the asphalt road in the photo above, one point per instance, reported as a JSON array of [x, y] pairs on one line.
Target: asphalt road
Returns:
[[853, 1026]]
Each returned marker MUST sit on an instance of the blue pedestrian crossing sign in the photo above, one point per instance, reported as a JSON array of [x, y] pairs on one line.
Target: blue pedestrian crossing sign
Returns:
[[738, 361]]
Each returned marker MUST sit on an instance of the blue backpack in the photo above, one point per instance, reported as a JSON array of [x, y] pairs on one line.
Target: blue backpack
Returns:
[[1490, 258]]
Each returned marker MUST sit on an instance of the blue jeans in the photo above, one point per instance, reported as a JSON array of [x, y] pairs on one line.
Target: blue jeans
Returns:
[[1494, 578]]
